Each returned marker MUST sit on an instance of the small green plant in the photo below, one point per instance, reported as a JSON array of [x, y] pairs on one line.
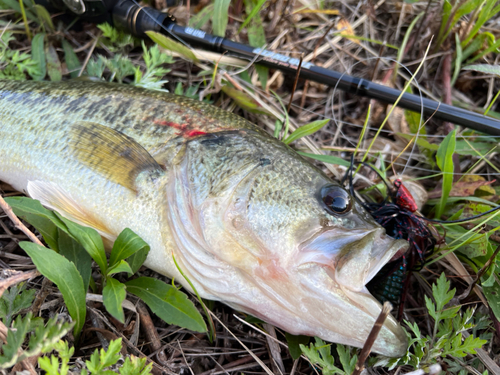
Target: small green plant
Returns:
[[68, 264], [114, 39], [13, 64], [13, 301], [99, 361], [42, 338], [319, 353], [446, 340], [121, 66]]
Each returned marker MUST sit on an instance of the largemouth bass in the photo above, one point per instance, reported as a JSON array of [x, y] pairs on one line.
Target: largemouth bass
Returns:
[[249, 221]]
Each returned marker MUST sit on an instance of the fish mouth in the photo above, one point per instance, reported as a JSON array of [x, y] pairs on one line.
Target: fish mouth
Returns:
[[348, 311]]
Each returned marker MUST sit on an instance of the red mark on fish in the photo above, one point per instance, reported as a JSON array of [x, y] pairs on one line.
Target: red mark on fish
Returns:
[[183, 128]]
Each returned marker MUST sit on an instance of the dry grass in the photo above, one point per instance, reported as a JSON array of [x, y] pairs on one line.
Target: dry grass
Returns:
[[315, 37]]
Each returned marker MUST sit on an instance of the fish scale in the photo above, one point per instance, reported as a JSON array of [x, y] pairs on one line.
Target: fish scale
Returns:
[[243, 213]]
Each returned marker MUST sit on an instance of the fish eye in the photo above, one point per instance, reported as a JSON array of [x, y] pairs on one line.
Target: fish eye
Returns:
[[336, 199]]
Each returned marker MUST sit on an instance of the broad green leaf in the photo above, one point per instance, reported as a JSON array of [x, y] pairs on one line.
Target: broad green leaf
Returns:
[[121, 266], [113, 296], [65, 275], [492, 294], [53, 64], [294, 342], [45, 221], [306, 130], [326, 158], [172, 45], [127, 244], [199, 20], [473, 245], [137, 260], [220, 17], [167, 302], [484, 68], [421, 142], [473, 47], [444, 159], [44, 17], [91, 241], [74, 252], [38, 55], [244, 100], [72, 61]]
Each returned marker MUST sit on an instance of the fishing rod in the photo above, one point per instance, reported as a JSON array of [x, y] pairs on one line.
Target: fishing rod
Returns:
[[130, 16]]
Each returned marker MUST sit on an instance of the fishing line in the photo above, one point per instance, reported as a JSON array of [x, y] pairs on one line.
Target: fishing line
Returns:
[[176, 37], [384, 59], [467, 219]]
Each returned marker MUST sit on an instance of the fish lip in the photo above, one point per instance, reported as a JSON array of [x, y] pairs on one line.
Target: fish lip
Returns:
[[395, 251], [376, 249]]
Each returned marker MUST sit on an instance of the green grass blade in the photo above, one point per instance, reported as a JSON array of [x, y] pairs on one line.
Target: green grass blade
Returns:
[[402, 48], [252, 14], [458, 61], [25, 19], [306, 130], [444, 158], [326, 158]]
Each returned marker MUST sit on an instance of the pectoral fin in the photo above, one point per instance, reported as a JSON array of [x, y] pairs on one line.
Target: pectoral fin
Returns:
[[110, 153], [55, 198]]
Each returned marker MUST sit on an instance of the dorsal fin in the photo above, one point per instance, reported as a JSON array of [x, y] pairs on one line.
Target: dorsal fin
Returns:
[[110, 153]]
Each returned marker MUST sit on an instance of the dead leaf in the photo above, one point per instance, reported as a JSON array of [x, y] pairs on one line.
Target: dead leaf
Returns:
[[331, 12], [462, 189], [346, 30]]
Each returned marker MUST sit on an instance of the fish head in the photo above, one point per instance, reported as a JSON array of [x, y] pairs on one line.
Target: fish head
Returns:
[[264, 231]]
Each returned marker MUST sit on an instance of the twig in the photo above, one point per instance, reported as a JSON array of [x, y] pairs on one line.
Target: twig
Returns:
[[259, 361], [479, 274], [294, 85], [150, 332], [16, 279], [360, 365], [274, 350], [89, 54], [18, 224]]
